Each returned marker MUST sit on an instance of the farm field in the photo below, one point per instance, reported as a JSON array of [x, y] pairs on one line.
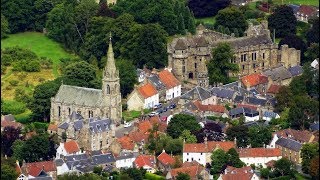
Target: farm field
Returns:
[[298, 2]]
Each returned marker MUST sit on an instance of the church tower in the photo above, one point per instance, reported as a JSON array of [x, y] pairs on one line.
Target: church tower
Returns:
[[111, 107]]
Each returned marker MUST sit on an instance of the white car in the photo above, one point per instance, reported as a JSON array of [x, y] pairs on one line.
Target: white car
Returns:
[[153, 113], [127, 124]]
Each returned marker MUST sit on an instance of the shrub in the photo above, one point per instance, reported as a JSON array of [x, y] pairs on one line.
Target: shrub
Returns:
[[23, 118], [3, 69], [13, 107], [150, 176], [32, 66], [41, 79], [14, 82]]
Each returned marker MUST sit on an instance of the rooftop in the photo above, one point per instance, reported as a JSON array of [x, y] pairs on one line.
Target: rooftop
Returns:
[[259, 152], [211, 145], [147, 90], [168, 79]]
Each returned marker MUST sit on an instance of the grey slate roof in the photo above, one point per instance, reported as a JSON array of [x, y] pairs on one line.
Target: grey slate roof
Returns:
[[59, 162], [79, 95], [64, 126], [254, 92], [76, 157], [156, 82], [238, 99], [314, 127], [294, 7], [97, 152], [43, 178], [74, 116], [280, 73], [126, 155], [295, 70], [256, 101], [289, 143], [222, 92], [269, 114], [84, 167], [99, 125], [9, 117], [180, 45], [200, 41], [103, 159], [242, 110], [78, 125], [234, 86], [196, 93]]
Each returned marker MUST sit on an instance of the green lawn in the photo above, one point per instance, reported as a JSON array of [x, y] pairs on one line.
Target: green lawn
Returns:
[[40, 44], [207, 20], [298, 2]]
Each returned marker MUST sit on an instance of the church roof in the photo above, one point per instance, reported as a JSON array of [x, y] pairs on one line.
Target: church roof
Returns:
[[247, 41], [181, 45], [78, 95]]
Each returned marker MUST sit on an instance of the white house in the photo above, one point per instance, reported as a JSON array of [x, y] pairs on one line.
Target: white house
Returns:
[[125, 160], [143, 97], [238, 173], [62, 167], [172, 84], [147, 162], [201, 152], [259, 156], [68, 148]]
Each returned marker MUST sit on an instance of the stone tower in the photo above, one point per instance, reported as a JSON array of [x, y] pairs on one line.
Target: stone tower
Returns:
[[111, 95]]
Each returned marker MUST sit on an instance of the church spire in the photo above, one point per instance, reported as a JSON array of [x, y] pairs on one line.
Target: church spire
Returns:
[[110, 67]]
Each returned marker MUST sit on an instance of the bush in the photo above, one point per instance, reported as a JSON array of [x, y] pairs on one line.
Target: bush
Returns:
[[150, 176], [14, 82], [3, 69], [13, 107], [32, 66], [41, 79], [23, 118]]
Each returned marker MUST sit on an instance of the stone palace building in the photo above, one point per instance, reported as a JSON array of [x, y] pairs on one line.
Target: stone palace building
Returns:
[[89, 102], [256, 52]]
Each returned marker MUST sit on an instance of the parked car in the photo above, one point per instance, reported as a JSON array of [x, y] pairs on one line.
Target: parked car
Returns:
[[153, 113], [172, 106], [127, 124], [159, 111], [157, 106], [165, 109]]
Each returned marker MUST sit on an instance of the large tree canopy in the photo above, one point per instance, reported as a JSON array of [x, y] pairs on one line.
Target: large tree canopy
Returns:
[[4, 27], [127, 73], [207, 8], [181, 122], [313, 33], [220, 65], [308, 151], [241, 134], [282, 21], [231, 18]]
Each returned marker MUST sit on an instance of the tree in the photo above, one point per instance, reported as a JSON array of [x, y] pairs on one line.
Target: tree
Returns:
[[8, 136], [314, 167], [41, 103], [188, 137], [233, 159], [282, 21], [104, 10], [284, 98], [181, 25], [183, 176], [220, 65], [231, 18], [313, 33], [265, 172], [207, 8], [212, 131], [127, 73], [294, 41], [8, 172], [181, 122], [259, 136], [97, 170], [240, 133], [81, 74], [308, 152], [19, 14], [4, 27], [283, 167], [219, 160], [26, 151], [312, 52], [41, 9], [135, 174]]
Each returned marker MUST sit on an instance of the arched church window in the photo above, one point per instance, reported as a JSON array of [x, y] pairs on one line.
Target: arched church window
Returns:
[[108, 89], [59, 111]]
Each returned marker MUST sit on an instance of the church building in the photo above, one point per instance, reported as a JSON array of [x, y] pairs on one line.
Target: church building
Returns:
[[89, 102]]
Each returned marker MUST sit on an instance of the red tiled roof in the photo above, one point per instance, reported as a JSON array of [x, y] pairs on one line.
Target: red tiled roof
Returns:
[[273, 89], [248, 106], [147, 90], [166, 159], [307, 10], [53, 127], [71, 146], [7, 123], [143, 160], [18, 168], [192, 163], [193, 171], [232, 173], [144, 126], [161, 125], [212, 108], [211, 145], [254, 79], [35, 168], [259, 152], [301, 136], [126, 142], [138, 136], [168, 79]]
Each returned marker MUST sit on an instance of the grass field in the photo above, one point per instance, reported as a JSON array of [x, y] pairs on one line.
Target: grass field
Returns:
[[298, 2], [207, 20], [39, 44]]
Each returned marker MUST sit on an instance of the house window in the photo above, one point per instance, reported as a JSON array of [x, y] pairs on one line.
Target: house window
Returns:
[[245, 57], [108, 89], [200, 153], [262, 55], [69, 109], [253, 65], [188, 160], [191, 159], [183, 69], [188, 154], [243, 66], [195, 65], [241, 58]]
